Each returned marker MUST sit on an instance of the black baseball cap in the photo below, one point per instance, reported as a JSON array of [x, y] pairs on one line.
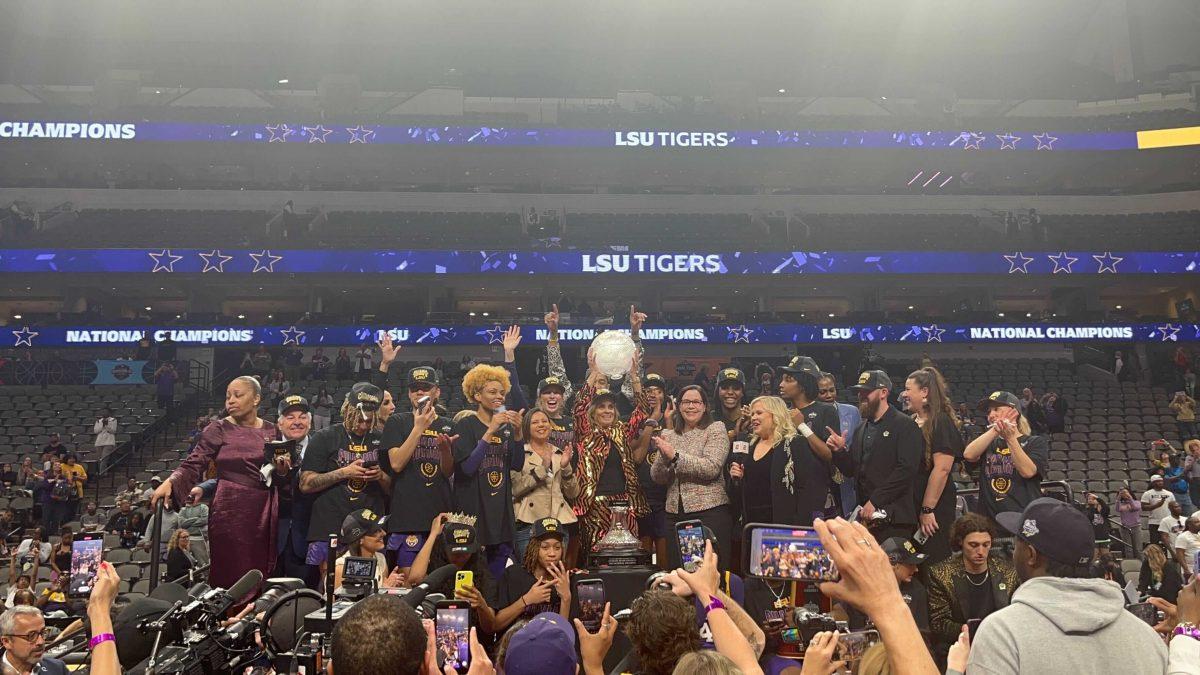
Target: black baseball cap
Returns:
[[997, 398], [871, 380], [1056, 529], [424, 375], [731, 375], [654, 380], [901, 550], [288, 403], [548, 382], [802, 364], [604, 394], [359, 524], [547, 527], [365, 394], [459, 538]]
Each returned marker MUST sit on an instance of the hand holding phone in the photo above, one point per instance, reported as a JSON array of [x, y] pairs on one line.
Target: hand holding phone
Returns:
[[592, 596], [789, 553], [87, 552], [452, 628]]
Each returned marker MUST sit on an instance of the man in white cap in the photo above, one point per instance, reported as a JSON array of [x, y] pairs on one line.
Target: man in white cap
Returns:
[[1154, 504]]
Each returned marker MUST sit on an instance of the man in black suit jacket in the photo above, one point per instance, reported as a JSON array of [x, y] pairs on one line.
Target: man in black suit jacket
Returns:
[[884, 456], [24, 646]]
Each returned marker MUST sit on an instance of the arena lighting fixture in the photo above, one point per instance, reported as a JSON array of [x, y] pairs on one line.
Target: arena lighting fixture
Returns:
[[910, 307], [284, 81], [470, 313], [831, 315], [714, 307], [270, 316], [1118, 307], [16, 316], [520, 309], [1000, 314], [783, 91], [1028, 315], [485, 313], [149, 309], [241, 316]]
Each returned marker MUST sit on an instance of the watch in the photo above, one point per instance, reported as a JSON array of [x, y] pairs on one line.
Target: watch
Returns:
[[713, 603], [1184, 628], [926, 509]]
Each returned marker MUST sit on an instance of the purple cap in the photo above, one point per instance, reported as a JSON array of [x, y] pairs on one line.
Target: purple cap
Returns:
[[544, 646]]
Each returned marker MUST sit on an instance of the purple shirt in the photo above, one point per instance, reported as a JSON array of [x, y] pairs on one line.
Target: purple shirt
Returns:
[[1131, 512]]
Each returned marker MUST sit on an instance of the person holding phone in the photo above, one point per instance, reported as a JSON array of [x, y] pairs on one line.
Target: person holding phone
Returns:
[[452, 541], [341, 471], [781, 479], [420, 459], [691, 458], [245, 512], [1013, 460]]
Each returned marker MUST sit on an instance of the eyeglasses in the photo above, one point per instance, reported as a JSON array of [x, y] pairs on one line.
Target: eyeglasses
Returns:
[[686, 402], [33, 636]]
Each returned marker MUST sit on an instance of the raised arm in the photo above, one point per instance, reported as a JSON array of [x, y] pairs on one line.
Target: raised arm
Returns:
[[554, 359], [516, 395]]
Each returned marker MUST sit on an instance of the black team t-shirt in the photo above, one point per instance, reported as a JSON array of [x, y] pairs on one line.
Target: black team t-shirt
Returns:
[[1001, 487], [820, 417], [419, 491], [487, 493], [562, 433], [948, 441], [333, 448], [514, 583]]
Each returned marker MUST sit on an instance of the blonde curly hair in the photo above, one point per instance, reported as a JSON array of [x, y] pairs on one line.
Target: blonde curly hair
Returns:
[[478, 377]]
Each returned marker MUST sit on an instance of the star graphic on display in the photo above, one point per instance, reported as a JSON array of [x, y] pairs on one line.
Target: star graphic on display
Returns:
[[24, 336], [495, 336], [269, 258], [361, 134], [165, 261], [972, 140], [279, 132], [1169, 332], [215, 261], [317, 134], [933, 333], [291, 336], [1018, 263], [1108, 262], [1008, 141], [1059, 265], [740, 333], [1045, 141]]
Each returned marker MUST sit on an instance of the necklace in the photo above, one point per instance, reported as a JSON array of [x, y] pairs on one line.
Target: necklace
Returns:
[[780, 603], [982, 581]]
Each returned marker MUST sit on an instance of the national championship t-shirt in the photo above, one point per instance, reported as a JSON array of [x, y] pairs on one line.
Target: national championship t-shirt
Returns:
[[419, 491], [486, 493], [333, 448], [562, 432], [1001, 487]]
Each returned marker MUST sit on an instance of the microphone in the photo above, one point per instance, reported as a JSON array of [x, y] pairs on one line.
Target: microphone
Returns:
[[505, 430], [433, 580]]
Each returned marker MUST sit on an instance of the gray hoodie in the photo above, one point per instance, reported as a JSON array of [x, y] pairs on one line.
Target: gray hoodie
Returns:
[[1058, 626]]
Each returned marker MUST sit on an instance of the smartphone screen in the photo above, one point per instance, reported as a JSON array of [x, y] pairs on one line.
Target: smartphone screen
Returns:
[[1144, 611], [452, 629], [972, 628], [793, 553], [87, 551], [851, 646], [591, 602], [690, 534]]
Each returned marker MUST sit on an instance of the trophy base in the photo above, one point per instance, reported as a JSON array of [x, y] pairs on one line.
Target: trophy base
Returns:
[[623, 559]]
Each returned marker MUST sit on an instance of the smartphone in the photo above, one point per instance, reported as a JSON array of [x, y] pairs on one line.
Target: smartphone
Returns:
[[87, 551], [370, 463], [690, 534], [972, 628], [422, 404], [851, 646], [591, 602], [856, 514], [452, 630], [920, 537], [788, 553], [463, 578], [1144, 611]]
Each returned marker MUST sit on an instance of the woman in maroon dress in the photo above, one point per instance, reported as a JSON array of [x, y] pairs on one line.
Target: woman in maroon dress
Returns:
[[245, 511]]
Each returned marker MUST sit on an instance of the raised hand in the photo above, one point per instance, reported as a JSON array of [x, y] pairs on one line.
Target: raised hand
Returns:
[[387, 349], [551, 319], [636, 319], [835, 441], [512, 338]]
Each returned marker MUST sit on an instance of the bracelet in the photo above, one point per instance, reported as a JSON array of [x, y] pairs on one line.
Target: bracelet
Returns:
[[101, 638], [1187, 628], [713, 604], [804, 430]]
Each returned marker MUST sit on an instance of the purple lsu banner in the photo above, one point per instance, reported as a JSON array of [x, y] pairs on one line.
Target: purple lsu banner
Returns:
[[670, 139], [722, 334], [552, 261]]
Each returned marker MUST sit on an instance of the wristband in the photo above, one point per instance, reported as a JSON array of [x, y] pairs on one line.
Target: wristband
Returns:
[[804, 430], [926, 510], [1187, 628], [101, 638], [714, 603]]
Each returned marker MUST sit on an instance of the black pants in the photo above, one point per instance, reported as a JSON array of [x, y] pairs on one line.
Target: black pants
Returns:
[[719, 519], [288, 564]]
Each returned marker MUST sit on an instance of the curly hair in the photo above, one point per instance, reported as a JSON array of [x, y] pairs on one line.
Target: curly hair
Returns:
[[662, 628], [970, 523], [174, 542], [478, 377]]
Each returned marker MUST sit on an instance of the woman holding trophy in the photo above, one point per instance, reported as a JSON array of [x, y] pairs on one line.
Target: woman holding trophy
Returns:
[[608, 452]]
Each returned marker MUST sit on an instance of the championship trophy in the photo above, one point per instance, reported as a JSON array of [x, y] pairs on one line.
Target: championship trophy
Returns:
[[619, 548], [614, 351]]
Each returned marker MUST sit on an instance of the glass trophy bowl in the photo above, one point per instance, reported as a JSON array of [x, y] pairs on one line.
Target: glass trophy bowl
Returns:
[[614, 351], [619, 539]]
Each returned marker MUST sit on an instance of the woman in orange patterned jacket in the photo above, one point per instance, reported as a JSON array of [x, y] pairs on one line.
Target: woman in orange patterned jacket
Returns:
[[607, 456]]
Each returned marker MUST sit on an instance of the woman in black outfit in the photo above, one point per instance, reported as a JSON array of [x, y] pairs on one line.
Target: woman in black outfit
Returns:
[[780, 480], [60, 555], [934, 491], [1160, 576], [179, 558]]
